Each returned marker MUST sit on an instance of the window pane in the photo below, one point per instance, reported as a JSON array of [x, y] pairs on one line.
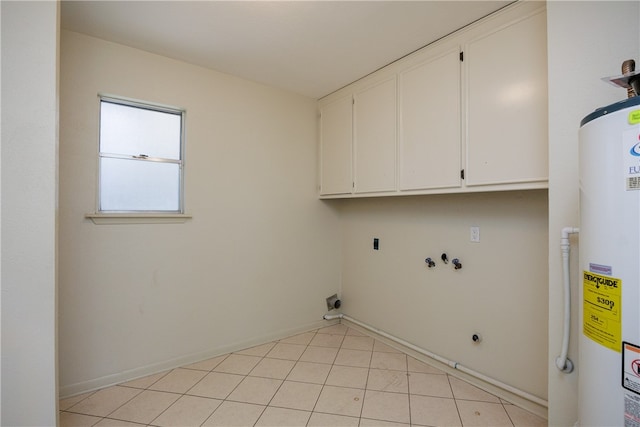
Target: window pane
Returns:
[[134, 185], [132, 131]]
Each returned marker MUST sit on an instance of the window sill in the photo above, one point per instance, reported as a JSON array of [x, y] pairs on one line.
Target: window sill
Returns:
[[134, 218]]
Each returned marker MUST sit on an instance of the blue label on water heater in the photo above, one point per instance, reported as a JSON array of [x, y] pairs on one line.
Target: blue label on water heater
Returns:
[[631, 158], [600, 269]]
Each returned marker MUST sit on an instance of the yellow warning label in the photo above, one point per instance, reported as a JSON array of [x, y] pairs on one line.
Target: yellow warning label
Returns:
[[602, 310], [634, 117]]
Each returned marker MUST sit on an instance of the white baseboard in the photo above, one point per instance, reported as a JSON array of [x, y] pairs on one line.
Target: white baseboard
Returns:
[[143, 371], [523, 403]]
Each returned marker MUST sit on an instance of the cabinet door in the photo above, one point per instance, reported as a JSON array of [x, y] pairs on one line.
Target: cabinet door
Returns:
[[507, 104], [430, 152], [374, 137], [335, 147]]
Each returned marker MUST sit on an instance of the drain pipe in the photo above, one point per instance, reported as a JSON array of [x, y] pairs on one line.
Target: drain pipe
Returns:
[[450, 363], [563, 363]]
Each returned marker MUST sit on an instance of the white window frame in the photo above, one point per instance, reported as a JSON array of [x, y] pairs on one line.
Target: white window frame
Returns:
[[141, 216]]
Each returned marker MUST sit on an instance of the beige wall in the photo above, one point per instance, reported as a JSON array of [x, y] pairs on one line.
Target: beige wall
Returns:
[[500, 292], [256, 261], [29, 181], [586, 41]]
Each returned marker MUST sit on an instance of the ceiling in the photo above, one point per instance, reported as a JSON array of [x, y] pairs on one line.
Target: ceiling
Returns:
[[309, 47]]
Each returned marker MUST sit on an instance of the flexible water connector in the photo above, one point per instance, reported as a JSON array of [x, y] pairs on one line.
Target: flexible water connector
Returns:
[[629, 66], [563, 363]]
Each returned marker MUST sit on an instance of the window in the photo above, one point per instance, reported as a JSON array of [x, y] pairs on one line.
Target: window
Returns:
[[141, 157]]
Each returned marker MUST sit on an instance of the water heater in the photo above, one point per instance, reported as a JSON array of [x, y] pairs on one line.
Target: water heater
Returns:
[[609, 282]]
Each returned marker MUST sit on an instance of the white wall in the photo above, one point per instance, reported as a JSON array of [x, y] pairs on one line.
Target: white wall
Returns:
[[28, 226], [258, 258], [586, 41], [500, 292]]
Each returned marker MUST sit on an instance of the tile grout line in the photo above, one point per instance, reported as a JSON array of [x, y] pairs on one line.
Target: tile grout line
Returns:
[[190, 388], [267, 405], [181, 394], [364, 395], [238, 385], [283, 381], [116, 385], [323, 384], [408, 390], [507, 412], [455, 400], [133, 397], [313, 410]]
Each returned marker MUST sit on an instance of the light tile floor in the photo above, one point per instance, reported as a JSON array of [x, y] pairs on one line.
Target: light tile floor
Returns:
[[334, 376]]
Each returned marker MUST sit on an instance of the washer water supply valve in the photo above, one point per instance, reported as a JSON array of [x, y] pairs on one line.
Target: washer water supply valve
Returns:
[[457, 265]]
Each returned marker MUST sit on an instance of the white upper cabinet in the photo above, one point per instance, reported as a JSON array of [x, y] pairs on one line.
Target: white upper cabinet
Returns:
[[506, 72], [430, 150], [374, 137], [467, 113], [336, 132]]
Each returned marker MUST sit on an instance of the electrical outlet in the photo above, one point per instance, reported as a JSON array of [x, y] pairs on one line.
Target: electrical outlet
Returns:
[[475, 234]]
